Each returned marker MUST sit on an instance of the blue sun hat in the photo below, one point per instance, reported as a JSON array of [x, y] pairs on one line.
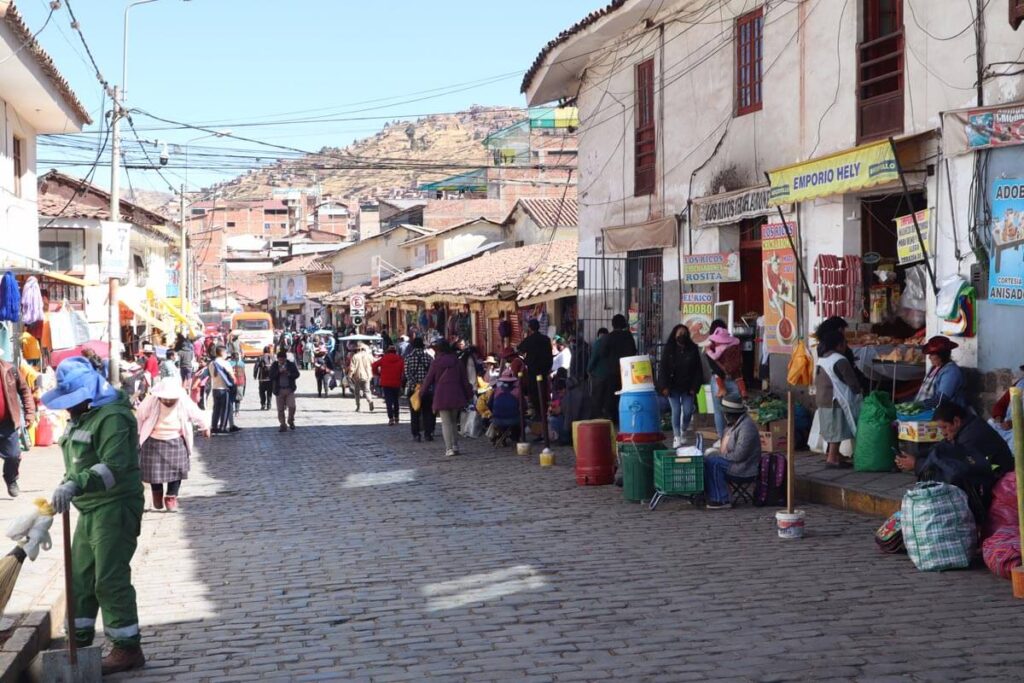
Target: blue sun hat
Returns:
[[78, 381]]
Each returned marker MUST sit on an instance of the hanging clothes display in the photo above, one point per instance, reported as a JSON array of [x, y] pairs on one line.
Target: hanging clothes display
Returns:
[[31, 302], [10, 298]]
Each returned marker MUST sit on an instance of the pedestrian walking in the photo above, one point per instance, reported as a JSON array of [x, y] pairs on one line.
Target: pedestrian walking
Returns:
[[389, 368], [169, 365], [238, 393], [261, 373], [360, 372], [283, 376], [165, 420], [308, 349], [102, 479], [15, 397], [221, 380], [448, 381], [422, 420], [185, 353], [320, 371], [536, 349], [618, 344], [680, 377]]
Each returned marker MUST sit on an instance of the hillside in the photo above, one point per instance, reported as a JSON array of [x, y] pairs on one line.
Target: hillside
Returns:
[[452, 138]]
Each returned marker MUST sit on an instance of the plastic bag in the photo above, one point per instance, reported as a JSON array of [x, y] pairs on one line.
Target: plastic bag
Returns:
[[1003, 510], [62, 330], [800, 371], [79, 327], [1001, 551], [414, 399], [876, 438], [938, 527], [816, 444]]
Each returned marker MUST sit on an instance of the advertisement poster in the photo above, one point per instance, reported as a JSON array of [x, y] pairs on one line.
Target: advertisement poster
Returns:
[[908, 246], [697, 311], [634, 319], [1006, 281], [115, 239], [778, 264], [294, 291], [173, 276], [707, 269]]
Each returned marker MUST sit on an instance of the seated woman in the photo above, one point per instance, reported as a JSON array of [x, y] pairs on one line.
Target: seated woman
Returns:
[[1001, 413], [945, 381], [504, 406], [738, 456]]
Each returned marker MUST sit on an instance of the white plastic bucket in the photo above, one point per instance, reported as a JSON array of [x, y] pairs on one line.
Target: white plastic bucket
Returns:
[[790, 525], [637, 373]]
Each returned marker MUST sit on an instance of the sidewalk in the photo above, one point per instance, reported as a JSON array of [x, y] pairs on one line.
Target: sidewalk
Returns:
[[871, 493], [36, 605]]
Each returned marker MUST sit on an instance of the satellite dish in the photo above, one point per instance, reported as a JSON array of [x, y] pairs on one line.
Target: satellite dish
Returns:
[[872, 257]]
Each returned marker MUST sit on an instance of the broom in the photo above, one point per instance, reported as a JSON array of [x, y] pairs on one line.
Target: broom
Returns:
[[10, 568]]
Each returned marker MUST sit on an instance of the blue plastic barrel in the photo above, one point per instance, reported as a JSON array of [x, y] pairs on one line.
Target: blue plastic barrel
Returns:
[[638, 412]]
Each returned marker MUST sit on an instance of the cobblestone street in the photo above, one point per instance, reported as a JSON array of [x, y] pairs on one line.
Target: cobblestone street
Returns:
[[344, 551]]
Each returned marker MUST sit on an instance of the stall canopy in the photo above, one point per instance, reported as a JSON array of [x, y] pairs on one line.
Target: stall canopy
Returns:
[[849, 171], [656, 234], [67, 279]]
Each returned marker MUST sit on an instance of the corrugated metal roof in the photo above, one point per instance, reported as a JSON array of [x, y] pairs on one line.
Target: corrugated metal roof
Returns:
[[552, 213]]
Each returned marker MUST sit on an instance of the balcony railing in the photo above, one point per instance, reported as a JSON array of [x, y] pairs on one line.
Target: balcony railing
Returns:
[[880, 64]]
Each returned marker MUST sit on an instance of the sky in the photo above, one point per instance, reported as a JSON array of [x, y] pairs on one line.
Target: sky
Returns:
[[228, 62]]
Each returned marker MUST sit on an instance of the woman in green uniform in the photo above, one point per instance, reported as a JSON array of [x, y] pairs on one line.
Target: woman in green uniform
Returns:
[[102, 480]]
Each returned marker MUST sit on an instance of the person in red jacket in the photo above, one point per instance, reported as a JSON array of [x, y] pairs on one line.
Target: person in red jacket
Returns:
[[389, 368]]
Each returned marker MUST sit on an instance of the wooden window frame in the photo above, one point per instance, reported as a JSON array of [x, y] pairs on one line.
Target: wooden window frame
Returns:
[[749, 38], [1016, 13], [18, 159], [645, 148]]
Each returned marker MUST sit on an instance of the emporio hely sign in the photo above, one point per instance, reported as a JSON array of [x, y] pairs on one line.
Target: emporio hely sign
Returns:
[[848, 171]]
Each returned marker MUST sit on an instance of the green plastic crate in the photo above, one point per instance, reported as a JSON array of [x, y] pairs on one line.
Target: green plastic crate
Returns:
[[677, 475]]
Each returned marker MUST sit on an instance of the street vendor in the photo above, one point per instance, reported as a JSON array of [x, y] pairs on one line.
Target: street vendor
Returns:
[[737, 456], [102, 479], [945, 381], [972, 434]]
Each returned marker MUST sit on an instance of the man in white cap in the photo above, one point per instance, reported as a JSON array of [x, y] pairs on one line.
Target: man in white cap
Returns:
[[102, 480], [15, 395]]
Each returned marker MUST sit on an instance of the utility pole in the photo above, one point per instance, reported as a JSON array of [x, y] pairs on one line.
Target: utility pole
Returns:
[[114, 323], [183, 256]]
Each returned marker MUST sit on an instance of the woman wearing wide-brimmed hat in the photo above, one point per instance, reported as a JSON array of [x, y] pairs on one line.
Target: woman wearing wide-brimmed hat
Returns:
[[945, 381], [737, 455], [165, 421]]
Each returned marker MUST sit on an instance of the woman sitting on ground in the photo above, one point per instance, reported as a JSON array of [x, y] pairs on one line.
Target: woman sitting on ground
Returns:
[[737, 457]]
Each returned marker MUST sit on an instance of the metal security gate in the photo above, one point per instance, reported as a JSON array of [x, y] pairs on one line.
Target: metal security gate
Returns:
[[632, 286]]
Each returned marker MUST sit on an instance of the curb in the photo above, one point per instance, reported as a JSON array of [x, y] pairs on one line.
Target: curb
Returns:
[[32, 635], [852, 500]]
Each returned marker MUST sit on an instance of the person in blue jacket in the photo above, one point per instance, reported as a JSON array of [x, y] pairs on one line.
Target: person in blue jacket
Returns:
[[945, 381]]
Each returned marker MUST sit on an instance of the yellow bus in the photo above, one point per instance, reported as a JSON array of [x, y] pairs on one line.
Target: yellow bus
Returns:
[[255, 330]]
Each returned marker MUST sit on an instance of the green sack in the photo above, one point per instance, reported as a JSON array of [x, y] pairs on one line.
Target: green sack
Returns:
[[876, 437]]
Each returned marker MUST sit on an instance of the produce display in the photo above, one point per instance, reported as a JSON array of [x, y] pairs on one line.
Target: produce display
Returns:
[[909, 354], [769, 409], [909, 409]]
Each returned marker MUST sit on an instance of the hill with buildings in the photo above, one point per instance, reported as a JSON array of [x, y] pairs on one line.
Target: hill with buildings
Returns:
[[390, 163]]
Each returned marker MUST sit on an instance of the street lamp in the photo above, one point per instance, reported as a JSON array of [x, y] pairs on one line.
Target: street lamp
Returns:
[[117, 111]]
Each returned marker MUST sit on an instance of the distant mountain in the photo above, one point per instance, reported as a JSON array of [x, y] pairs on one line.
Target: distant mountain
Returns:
[[449, 138]]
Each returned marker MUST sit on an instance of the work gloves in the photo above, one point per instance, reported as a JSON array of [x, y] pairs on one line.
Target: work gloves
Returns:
[[62, 496]]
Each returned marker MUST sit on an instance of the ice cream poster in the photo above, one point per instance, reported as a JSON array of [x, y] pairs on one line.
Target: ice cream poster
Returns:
[[778, 266], [1006, 278]]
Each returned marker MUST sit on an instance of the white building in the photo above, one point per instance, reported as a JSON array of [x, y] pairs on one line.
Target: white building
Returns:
[[71, 214], [680, 101], [36, 100]]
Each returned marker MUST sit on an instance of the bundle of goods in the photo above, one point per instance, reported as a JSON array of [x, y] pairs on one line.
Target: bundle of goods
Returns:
[[938, 527], [1001, 547]]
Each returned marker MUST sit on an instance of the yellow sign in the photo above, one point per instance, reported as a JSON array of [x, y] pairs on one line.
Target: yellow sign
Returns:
[[848, 171], [908, 246]]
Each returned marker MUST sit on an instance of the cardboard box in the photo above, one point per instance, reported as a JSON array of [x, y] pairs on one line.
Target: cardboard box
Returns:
[[774, 439], [919, 432]]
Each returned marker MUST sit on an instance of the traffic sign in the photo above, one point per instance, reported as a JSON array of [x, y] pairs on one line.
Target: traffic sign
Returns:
[[357, 302]]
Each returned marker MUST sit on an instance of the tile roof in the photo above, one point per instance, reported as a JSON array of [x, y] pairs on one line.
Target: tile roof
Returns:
[[482, 277], [308, 263], [23, 34], [53, 204], [564, 36], [552, 213]]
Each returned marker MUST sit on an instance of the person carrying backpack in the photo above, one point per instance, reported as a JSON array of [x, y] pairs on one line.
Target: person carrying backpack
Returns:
[[738, 455], [261, 373]]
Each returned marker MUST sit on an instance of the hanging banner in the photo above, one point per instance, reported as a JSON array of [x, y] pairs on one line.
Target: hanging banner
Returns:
[[849, 171], [1006, 279], [706, 269], [732, 207], [968, 130], [778, 266], [908, 246], [697, 311], [115, 239]]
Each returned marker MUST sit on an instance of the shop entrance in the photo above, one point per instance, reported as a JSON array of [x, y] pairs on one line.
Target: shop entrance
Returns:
[[747, 295], [645, 290], [884, 278]]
